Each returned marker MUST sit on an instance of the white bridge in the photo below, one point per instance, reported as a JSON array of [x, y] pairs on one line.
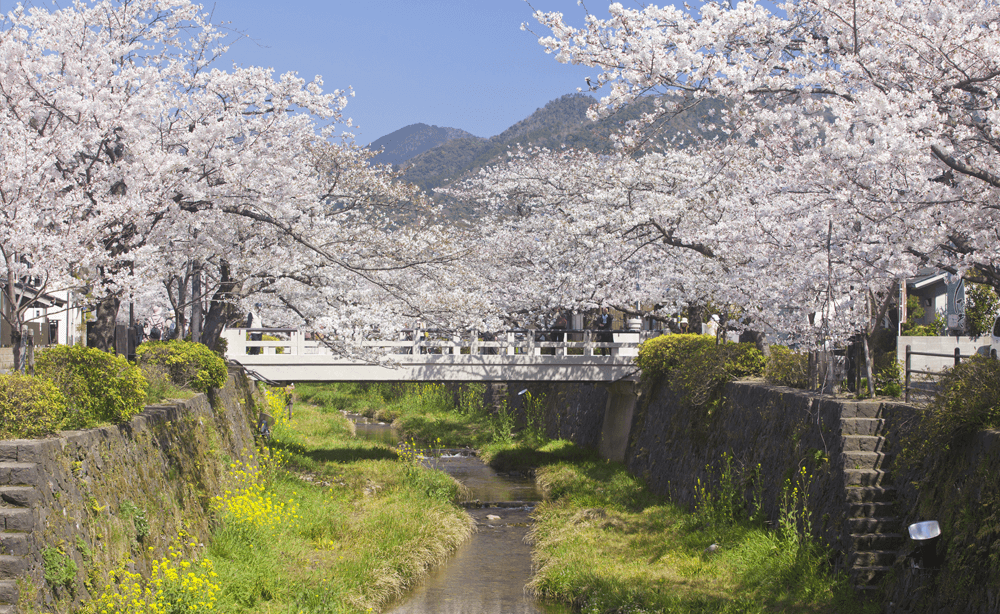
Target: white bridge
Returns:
[[516, 355]]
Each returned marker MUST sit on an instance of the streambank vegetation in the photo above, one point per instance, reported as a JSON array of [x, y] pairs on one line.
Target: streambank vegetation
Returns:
[[602, 541], [320, 522]]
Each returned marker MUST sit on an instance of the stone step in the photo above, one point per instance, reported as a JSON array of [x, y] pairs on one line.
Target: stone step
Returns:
[[861, 426], [865, 460], [862, 443], [19, 496], [864, 542], [15, 543], [11, 566], [8, 595], [14, 474], [868, 577], [862, 409], [872, 558], [866, 477], [869, 494], [870, 509], [874, 524], [17, 519]]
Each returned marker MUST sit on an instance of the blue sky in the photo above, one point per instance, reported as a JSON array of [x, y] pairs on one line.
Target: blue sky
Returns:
[[458, 63]]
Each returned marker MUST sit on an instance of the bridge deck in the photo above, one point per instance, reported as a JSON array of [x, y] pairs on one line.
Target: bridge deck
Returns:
[[516, 356]]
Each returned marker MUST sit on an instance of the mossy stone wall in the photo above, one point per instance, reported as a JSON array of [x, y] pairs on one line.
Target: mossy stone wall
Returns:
[[94, 500]]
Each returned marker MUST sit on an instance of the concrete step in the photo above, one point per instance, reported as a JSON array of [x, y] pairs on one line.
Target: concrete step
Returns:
[[8, 595], [872, 558], [11, 566], [862, 409], [862, 443], [865, 460], [869, 577], [864, 542], [871, 509], [861, 426], [869, 494], [17, 519], [17, 474], [874, 524], [19, 496], [866, 477]]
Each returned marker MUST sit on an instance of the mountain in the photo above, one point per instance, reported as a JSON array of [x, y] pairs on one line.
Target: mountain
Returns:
[[560, 123], [413, 140]]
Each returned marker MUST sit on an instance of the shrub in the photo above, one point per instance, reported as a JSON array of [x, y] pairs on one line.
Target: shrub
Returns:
[[697, 366], [190, 364], [786, 367], [968, 402], [98, 386], [30, 406]]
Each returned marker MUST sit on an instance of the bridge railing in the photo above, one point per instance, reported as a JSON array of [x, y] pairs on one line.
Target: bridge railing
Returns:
[[249, 342]]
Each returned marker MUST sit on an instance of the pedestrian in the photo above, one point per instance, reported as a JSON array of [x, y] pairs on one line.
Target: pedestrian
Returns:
[[157, 324], [603, 324], [289, 392], [712, 328], [253, 351]]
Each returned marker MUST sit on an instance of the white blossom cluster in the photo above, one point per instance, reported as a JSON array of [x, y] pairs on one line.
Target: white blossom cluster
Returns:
[[858, 140]]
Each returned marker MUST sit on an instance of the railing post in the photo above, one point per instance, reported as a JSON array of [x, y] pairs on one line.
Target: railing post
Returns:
[[474, 345], [908, 365], [958, 356], [588, 343], [531, 342], [510, 342]]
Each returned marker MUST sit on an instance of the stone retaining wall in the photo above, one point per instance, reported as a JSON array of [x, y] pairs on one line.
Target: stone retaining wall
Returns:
[[87, 500], [784, 429]]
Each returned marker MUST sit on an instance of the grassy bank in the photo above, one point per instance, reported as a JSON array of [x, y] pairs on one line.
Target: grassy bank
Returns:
[[325, 523], [430, 414], [605, 544]]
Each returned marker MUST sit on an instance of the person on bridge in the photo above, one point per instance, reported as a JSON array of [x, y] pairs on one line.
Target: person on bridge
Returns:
[[254, 336], [603, 323]]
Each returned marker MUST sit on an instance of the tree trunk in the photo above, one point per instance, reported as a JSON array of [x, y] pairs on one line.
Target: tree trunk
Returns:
[[868, 366], [102, 334], [17, 346], [196, 302], [219, 309]]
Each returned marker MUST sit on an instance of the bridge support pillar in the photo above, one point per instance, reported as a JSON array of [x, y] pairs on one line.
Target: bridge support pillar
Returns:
[[618, 414]]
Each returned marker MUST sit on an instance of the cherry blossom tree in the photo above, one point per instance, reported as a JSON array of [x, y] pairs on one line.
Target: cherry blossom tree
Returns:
[[856, 140], [128, 155]]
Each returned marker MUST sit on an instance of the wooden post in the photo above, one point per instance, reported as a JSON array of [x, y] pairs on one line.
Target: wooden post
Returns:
[[908, 364]]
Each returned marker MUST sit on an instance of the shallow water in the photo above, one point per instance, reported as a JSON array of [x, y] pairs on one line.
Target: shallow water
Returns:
[[487, 573], [380, 432]]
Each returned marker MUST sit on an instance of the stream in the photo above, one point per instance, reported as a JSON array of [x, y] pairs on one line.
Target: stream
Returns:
[[487, 573]]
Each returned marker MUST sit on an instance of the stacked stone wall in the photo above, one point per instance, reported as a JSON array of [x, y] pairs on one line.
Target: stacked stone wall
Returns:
[[88, 500]]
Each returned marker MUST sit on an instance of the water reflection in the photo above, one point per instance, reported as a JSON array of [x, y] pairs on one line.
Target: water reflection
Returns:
[[379, 432], [484, 484], [486, 575]]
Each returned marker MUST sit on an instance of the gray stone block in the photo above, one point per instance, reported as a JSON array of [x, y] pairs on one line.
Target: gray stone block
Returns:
[[15, 543], [8, 596], [11, 566], [19, 496], [17, 519], [18, 473]]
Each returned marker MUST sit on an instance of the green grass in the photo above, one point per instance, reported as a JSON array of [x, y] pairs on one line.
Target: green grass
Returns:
[[605, 544], [329, 524], [427, 413], [368, 524]]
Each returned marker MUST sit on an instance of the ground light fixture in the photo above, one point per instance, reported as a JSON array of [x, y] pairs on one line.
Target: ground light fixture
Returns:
[[925, 536]]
